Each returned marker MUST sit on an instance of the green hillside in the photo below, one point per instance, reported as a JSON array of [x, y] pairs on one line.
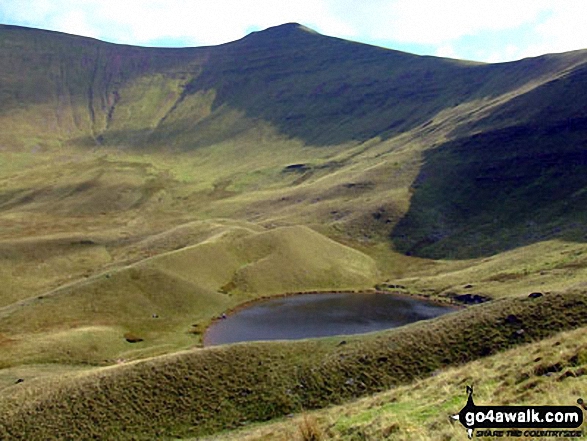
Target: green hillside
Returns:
[[145, 191], [367, 123], [167, 300], [199, 392], [550, 372]]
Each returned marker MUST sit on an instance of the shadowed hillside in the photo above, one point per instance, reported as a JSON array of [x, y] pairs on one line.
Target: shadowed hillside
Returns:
[[146, 191], [457, 144], [319, 89], [519, 179], [499, 190]]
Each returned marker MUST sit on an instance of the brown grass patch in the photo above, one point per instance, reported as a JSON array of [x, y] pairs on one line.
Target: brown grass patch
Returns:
[[310, 429]]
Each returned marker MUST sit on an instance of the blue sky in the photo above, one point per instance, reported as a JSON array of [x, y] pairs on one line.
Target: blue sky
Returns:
[[481, 30]]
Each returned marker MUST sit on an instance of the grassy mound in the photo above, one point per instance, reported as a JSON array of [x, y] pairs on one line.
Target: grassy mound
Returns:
[[160, 300], [203, 391]]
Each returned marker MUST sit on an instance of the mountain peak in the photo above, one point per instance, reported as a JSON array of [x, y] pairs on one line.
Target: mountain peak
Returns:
[[283, 31], [288, 28]]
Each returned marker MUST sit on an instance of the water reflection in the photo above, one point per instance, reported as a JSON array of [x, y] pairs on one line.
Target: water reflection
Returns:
[[320, 315]]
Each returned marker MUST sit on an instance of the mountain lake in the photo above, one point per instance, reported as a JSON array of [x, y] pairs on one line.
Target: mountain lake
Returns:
[[320, 315]]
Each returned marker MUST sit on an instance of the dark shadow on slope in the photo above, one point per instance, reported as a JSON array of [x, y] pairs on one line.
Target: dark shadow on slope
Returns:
[[563, 97], [328, 91], [90, 197], [39, 67], [319, 89], [499, 190]]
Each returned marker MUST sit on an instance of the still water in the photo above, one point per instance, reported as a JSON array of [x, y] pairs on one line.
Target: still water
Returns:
[[320, 315]]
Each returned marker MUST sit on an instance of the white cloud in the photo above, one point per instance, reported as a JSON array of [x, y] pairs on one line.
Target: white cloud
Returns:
[[446, 51], [442, 26], [76, 22], [196, 22], [507, 53], [436, 23], [426, 22], [533, 27], [564, 29]]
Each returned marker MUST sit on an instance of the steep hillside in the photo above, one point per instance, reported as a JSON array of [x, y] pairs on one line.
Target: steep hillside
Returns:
[[319, 89], [145, 191], [436, 154], [544, 373], [514, 177]]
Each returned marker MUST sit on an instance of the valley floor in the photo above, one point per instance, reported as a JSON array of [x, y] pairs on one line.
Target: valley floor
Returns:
[[97, 290]]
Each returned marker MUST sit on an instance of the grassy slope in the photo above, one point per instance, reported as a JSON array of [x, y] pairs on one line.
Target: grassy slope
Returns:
[[381, 118], [82, 249], [129, 162], [549, 372], [202, 391], [184, 288]]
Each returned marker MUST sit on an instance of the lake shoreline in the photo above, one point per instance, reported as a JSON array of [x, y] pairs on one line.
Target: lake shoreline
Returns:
[[250, 303]]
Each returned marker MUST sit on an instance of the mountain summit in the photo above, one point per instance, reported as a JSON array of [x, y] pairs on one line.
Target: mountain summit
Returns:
[[284, 30], [485, 145]]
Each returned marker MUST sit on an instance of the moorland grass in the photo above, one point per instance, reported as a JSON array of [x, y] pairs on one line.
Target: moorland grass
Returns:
[[166, 299], [549, 372], [206, 390], [139, 182]]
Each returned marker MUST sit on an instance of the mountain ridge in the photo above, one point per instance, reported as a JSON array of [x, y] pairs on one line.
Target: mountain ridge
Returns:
[[204, 69], [287, 88], [145, 192]]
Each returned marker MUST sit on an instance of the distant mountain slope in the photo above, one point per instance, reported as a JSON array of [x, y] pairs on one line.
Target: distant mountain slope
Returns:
[[494, 153], [320, 89], [520, 178]]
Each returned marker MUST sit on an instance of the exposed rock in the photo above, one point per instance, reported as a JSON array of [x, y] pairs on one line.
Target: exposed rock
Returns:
[[296, 168], [471, 299], [513, 320], [132, 338]]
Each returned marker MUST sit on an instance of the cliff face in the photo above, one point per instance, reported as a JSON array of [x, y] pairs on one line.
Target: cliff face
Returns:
[[57, 87]]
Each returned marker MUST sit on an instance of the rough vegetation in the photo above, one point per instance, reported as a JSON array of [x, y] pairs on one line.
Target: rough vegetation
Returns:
[[145, 191], [549, 372], [203, 391]]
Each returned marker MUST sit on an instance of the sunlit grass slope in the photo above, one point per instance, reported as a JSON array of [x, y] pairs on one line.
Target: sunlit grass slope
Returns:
[[206, 390], [168, 299], [546, 373]]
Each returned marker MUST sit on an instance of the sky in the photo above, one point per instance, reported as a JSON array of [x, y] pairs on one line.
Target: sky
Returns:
[[480, 30]]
